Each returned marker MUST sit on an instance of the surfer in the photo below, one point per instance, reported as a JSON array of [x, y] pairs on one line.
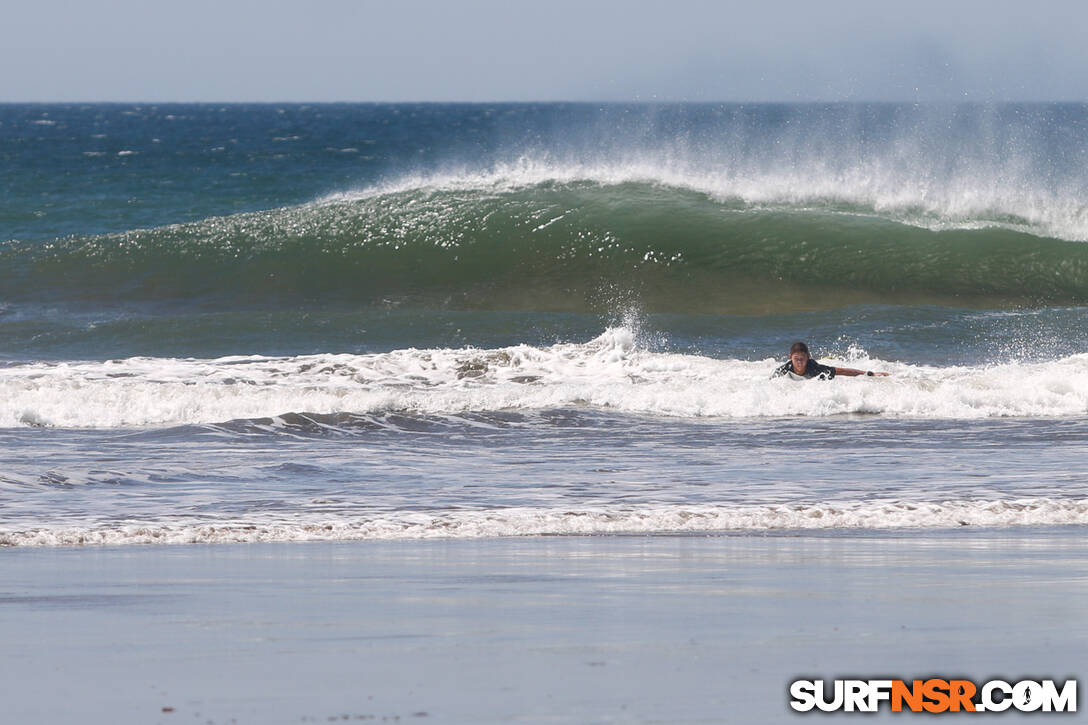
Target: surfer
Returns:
[[803, 366]]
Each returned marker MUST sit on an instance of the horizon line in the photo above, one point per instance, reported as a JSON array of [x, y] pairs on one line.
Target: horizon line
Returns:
[[637, 101]]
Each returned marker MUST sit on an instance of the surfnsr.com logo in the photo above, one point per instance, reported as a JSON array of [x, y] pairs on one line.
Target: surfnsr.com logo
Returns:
[[934, 695]]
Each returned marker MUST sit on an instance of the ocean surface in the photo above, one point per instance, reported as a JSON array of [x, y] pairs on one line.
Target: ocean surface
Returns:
[[348, 322]]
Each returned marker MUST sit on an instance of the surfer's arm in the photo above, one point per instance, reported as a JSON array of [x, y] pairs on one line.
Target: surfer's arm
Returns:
[[851, 372]]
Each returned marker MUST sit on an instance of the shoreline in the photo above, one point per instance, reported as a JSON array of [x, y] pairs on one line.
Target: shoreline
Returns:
[[545, 629]]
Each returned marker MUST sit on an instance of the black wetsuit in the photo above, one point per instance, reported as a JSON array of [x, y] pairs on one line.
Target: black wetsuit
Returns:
[[812, 370]]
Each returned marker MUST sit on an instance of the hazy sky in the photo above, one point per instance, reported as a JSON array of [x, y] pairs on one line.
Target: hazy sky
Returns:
[[476, 50]]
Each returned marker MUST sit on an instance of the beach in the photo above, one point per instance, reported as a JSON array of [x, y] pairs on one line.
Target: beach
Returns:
[[677, 629]]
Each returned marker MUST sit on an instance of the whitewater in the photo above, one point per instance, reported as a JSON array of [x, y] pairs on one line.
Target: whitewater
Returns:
[[608, 373]]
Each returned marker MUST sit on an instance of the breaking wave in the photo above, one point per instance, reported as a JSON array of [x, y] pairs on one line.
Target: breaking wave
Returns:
[[571, 239]]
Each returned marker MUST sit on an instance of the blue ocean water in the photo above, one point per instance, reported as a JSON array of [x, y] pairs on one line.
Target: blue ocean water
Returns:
[[281, 322]]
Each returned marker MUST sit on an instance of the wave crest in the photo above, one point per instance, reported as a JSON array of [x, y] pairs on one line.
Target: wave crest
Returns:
[[563, 244]]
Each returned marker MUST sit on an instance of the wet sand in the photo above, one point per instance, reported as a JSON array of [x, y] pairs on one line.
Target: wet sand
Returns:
[[669, 629]]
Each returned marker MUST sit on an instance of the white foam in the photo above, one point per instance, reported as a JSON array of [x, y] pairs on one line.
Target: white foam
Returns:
[[610, 372], [509, 522]]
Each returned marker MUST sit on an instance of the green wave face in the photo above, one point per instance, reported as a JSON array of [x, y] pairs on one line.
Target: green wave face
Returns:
[[564, 245]]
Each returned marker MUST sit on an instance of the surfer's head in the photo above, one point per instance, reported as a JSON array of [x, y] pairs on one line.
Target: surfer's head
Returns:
[[799, 356]]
